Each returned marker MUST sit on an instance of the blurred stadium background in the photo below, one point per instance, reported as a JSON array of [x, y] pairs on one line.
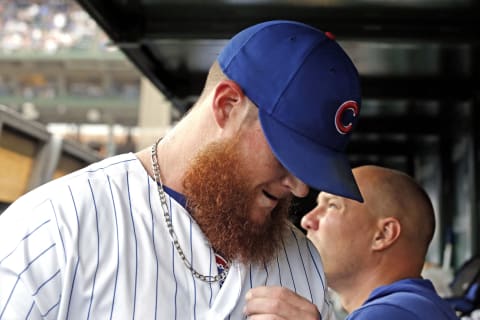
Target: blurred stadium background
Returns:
[[59, 69]]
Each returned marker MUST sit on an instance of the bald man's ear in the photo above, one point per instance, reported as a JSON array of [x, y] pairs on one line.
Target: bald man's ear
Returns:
[[227, 95], [387, 233]]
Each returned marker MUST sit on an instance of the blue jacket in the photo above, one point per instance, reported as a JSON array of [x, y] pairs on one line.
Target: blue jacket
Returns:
[[409, 299]]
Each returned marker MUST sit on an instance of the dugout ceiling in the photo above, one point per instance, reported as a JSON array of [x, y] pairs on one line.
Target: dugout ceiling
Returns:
[[418, 59]]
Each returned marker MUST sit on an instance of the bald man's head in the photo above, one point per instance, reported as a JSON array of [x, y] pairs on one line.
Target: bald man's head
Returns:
[[391, 193]]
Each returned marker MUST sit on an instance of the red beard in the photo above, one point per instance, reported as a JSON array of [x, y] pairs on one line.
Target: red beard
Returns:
[[219, 198]]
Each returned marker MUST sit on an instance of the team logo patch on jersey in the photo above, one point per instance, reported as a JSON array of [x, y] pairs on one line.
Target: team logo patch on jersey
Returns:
[[222, 265], [345, 115]]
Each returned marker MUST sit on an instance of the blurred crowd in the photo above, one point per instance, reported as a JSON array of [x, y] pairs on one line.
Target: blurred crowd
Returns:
[[52, 27], [48, 26]]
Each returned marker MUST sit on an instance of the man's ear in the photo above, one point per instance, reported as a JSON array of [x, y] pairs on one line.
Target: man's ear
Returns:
[[227, 95], [387, 232]]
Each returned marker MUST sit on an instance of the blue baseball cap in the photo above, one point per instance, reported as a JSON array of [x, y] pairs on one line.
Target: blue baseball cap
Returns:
[[307, 91]]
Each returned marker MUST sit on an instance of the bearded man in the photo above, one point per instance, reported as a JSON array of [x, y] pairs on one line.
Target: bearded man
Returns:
[[182, 230]]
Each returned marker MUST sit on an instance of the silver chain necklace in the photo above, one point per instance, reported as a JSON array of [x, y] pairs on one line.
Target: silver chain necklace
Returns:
[[168, 221]]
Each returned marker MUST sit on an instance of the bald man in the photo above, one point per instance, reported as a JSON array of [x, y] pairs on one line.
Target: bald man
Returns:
[[373, 253]]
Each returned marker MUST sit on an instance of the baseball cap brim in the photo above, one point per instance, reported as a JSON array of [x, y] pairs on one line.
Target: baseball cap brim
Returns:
[[317, 166]]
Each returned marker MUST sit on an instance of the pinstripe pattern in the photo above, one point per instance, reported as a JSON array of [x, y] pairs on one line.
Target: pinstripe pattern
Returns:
[[172, 257], [303, 265], [289, 267], [30, 311], [134, 232], [75, 257], [118, 250], [193, 278], [154, 247], [61, 238], [279, 274], [210, 273], [93, 245]]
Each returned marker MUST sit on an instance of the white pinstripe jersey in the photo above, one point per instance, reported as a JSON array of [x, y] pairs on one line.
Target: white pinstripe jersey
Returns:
[[94, 245]]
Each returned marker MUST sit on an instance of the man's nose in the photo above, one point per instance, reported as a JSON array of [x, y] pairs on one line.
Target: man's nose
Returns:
[[296, 186], [310, 220]]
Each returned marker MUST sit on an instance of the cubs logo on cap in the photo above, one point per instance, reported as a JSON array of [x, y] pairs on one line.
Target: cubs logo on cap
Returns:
[[346, 107]]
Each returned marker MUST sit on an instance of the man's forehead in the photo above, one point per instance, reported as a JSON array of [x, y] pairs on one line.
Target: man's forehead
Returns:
[[323, 196]]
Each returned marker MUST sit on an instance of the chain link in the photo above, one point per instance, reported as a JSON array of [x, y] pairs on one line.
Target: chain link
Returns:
[[168, 221]]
